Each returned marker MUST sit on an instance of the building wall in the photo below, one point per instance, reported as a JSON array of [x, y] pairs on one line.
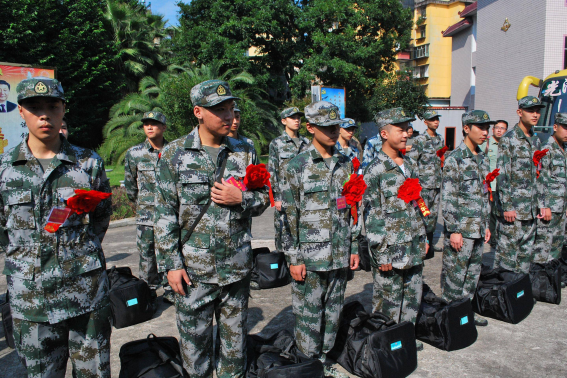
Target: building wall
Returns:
[[555, 33], [449, 118], [461, 68]]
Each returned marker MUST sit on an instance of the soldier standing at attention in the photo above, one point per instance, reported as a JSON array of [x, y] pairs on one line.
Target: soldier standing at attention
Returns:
[[346, 145], [140, 167], [466, 211], [550, 231], [424, 152], [57, 282], [209, 268], [323, 245], [517, 192], [395, 229], [281, 151], [236, 125]]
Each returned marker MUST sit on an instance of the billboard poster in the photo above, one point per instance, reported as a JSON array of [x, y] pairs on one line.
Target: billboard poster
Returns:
[[12, 126], [335, 96]]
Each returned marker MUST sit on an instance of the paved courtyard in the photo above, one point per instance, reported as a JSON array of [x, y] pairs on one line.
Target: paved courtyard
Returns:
[[537, 347]]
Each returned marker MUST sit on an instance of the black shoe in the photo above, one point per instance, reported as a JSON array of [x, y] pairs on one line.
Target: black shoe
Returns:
[[480, 321], [563, 285], [418, 345]]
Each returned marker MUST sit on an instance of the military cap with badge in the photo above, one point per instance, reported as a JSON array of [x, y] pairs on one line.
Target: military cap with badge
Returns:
[[476, 117], [530, 102], [323, 113], [561, 119], [430, 114], [288, 112], [347, 122], [391, 117], [39, 87], [210, 93], [156, 116]]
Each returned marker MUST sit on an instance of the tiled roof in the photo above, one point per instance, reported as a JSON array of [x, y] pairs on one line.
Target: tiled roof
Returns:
[[469, 10], [454, 29]]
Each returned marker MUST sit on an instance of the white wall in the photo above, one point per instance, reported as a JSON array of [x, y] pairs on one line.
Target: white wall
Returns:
[[449, 118], [555, 33], [461, 68]]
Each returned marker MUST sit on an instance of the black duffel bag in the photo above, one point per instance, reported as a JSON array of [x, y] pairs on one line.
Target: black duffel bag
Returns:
[[447, 326], [546, 281], [130, 298], [7, 322], [279, 357], [377, 347], [348, 314], [503, 295], [364, 254], [563, 261], [270, 269], [152, 357]]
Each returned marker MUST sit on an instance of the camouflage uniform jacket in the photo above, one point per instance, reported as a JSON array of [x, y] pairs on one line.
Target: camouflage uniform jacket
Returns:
[[466, 205], [353, 151], [219, 249], [61, 275], [516, 183], [140, 180], [372, 148], [282, 150], [424, 152], [242, 138], [388, 219], [321, 235], [553, 177]]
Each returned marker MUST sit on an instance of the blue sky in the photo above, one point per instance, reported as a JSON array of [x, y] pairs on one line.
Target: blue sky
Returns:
[[167, 8]]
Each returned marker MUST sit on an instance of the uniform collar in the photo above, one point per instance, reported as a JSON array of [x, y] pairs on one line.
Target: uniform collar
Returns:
[[389, 163], [148, 146], [315, 154], [23, 152], [193, 141], [427, 136], [520, 134], [467, 153]]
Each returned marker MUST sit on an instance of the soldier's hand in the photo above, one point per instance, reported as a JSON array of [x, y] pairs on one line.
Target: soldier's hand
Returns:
[[354, 261], [298, 272], [226, 194], [385, 267], [176, 278], [278, 205], [487, 236], [510, 216], [456, 241], [544, 214]]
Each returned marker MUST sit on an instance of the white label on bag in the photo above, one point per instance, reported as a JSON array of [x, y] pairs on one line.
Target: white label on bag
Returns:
[[520, 294], [397, 345], [132, 302], [464, 320]]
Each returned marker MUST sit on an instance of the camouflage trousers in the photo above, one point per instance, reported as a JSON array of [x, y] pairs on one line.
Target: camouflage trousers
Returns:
[[317, 303], [44, 348], [397, 292], [148, 265], [281, 228], [195, 311], [549, 238], [515, 244], [461, 270], [431, 198]]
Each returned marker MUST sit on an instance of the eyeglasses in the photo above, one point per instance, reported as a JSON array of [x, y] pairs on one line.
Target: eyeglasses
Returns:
[[500, 128]]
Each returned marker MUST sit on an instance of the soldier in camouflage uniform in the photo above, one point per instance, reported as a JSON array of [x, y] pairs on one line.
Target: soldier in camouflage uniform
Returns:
[[57, 281], [236, 125], [140, 181], [466, 210], [346, 143], [395, 229], [517, 200], [210, 273], [550, 230], [372, 148], [323, 246], [424, 152], [281, 151]]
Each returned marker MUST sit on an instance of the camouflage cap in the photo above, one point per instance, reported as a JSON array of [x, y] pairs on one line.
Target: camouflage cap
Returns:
[[476, 117], [288, 112], [561, 118], [430, 114], [156, 116], [530, 102], [236, 108], [39, 87], [391, 117], [210, 93], [322, 113], [347, 122]]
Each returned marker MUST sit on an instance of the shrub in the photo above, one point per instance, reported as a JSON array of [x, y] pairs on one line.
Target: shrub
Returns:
[[122, 207]]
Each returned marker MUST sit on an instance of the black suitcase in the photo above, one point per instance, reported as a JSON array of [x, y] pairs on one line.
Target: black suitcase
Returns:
[[503, 295], [364, 254], [279, 357], [377, 347], [130, 298], [270, 269], [152, 357], [447, 326], [7, 322], [546, 281]]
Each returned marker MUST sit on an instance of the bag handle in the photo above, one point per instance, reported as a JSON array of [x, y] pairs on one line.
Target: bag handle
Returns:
[[164, 355], [362, 317]]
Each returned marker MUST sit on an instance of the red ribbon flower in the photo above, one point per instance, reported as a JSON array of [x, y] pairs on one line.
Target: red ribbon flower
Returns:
[[489, 178], [441, 154], [353, 190], [409, 191], [257, 176], [84, 201], [355, 164], [538, 155], [403, 151]]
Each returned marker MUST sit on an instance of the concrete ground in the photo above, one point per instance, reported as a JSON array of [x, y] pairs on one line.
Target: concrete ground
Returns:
[[536, 347]]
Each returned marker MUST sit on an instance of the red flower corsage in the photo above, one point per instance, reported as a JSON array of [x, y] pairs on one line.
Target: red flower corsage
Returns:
[[353, 190], [409, 191]]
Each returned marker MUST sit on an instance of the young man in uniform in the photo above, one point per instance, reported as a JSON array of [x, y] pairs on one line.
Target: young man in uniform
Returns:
[[424, 152], [236, 125], [281, 151], [395, 229], [517, 200], [140, 167], [323, 246], [57, 282], [466, 211], [346, 145], [208, 268]]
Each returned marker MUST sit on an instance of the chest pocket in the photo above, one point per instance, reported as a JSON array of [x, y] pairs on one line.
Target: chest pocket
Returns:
[[195, 188], [19, 204], [393, 204], [63, 194], [558, 170], [316, 195], [146, 174], [470, 184]]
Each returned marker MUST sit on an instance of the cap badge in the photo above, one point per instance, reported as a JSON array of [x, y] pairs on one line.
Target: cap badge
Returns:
[[534, 100], [333, 114], [151, 115], [485, 116], [403, 113], [221, 91], [295, 110], [40, 88], [351, 122]]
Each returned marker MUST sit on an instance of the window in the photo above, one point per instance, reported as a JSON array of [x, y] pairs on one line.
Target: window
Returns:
[[423, 12], [421, 51], [421, 32], [421, 72]]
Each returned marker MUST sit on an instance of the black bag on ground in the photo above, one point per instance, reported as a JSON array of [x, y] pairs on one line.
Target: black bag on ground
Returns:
[[377, 347], [270, 269], [447, 326], [546, 281], [7, 322], [130, 298], [364, 254], [503, 295], [279, 357], [348, 314], [563, 261], [152, 357]]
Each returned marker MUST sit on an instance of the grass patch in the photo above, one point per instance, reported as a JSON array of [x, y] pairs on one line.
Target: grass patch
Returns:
[[116, 175]]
